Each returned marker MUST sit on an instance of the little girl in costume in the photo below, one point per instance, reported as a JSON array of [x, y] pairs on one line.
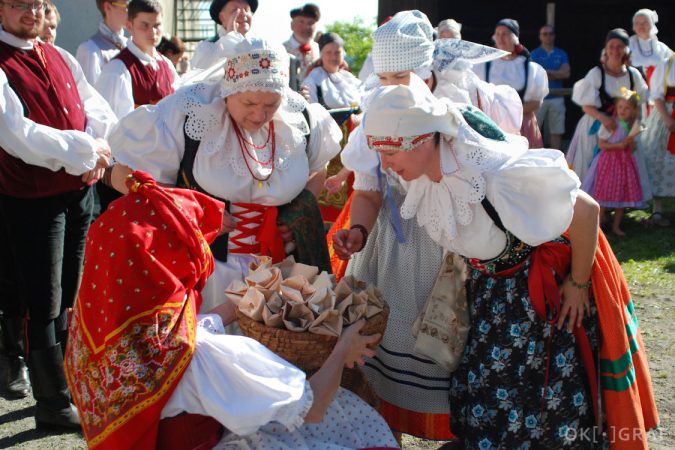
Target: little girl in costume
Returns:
[[614, 178]]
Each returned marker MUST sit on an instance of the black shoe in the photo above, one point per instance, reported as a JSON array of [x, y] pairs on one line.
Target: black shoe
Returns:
[[50, 416], [17, 382], [53, 408]]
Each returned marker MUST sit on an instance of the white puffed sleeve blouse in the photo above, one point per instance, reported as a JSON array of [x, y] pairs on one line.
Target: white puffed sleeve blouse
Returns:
[[512, 73], [152, 139], [587, 90]]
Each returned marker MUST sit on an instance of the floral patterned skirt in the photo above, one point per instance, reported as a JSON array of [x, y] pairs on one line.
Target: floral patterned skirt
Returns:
[[521, 384]]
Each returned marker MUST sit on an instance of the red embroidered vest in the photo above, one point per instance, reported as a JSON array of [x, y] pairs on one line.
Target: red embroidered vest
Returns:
[[49, 97], [148, 85]]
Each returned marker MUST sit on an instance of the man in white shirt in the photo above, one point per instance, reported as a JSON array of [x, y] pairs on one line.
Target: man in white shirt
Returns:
[[108, 40], [301, 45], [139, 74], [51, 152], [231, 15]]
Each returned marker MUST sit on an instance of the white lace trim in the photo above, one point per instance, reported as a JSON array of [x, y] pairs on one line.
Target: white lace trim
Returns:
[[203, 113], [292, 416], [364, 182], [208, 122], [441, 207], [444, 206]]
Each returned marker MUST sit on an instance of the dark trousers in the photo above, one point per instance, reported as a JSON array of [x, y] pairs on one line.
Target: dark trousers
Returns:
[[43, 239]]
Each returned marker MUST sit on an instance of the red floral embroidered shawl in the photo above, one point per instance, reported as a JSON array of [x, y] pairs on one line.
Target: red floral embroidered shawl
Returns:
[[132, 332]]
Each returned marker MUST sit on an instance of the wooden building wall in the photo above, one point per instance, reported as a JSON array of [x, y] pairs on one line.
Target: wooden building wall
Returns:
[[581, 25]]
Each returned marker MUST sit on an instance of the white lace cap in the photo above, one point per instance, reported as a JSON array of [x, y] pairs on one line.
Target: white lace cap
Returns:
[[403, 111], [254, 64], [403, 43]]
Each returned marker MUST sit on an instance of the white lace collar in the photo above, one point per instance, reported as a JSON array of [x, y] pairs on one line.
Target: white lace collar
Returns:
[[465, 159], [208, 121]]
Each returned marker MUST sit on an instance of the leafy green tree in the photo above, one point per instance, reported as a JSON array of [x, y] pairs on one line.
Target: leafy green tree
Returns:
[[358, 41]]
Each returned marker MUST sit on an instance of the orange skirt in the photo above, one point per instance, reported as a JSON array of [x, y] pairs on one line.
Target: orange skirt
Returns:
[[423, 425]]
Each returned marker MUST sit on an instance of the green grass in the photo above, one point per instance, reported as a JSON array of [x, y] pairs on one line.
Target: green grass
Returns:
[[647, 254]]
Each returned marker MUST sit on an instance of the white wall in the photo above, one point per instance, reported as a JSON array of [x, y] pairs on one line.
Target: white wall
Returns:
[[80, 19]]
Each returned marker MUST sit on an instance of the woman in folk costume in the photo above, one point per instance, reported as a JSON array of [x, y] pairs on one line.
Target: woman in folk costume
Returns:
[[332, 86], [403, 48], [329, 83], [138, 351], [407, 382], [247, 139], [518, 71], [658, 140], [595, 94], [646, 51], [531, 239]]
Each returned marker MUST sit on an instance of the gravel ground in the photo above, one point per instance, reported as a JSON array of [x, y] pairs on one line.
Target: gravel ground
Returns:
[[656, 314]]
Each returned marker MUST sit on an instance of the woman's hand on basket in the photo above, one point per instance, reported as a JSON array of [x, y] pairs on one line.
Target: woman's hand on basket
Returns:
[[354, 346]]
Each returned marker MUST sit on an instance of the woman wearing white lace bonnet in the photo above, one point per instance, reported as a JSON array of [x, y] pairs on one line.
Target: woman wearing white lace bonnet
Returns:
[[402, 46], [248, 139], [402, 54], [646, 49], [494, 202], [407, 384]]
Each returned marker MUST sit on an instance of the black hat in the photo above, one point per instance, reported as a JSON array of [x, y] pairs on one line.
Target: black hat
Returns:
[[511, 24], [218, 5], [309, 10], [618, 33]]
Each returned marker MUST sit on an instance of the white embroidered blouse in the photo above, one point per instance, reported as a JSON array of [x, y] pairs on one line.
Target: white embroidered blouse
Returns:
[[512, 73], [646, 53], [663, 77], [533, 191], [151, 139], [587, 90], [339, 90]]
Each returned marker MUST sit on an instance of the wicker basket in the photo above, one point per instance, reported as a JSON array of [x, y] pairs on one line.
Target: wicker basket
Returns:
[[305, 350]]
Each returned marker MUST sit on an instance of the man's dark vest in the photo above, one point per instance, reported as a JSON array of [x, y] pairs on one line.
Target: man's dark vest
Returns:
[[49, 97], [148, 85]]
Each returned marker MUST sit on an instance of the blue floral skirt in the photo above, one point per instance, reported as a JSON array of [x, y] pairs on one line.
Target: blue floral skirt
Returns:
[[501, 396]]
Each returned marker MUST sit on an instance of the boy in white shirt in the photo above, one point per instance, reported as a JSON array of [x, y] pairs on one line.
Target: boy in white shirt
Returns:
[[108, 40], [139, 75]]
